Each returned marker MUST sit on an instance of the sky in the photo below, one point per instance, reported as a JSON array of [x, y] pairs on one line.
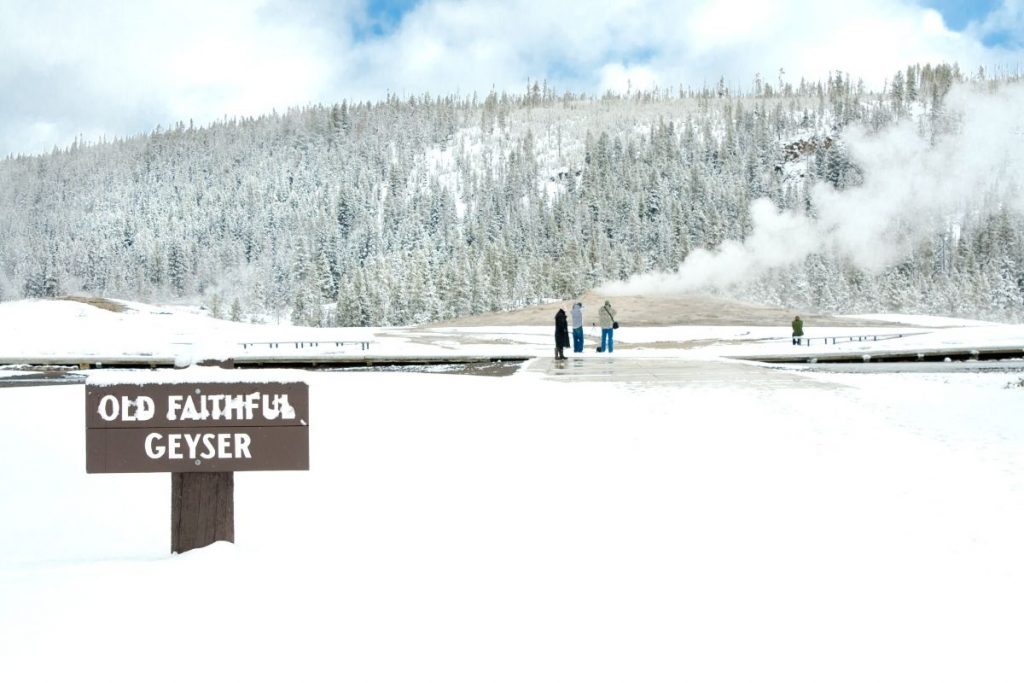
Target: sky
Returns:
[[101, 69]]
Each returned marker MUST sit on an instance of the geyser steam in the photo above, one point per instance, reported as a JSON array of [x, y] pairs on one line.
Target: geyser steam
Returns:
[[911, 189]]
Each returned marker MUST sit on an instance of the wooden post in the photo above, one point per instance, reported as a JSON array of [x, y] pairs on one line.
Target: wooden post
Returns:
[[202, 509]]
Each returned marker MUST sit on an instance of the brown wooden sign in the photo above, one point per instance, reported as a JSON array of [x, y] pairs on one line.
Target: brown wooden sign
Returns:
[[209, 427]]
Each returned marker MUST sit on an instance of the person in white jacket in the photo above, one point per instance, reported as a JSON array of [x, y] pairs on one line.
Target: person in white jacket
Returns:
[[607, 315], [577, 327]]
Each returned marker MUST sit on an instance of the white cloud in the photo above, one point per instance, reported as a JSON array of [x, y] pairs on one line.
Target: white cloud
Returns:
[[581, 44], [728, 24], [623, 79], [123, 67], [1008, 18]]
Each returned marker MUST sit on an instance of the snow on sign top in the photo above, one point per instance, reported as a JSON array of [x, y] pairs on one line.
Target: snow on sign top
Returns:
[[197, 427], [210, 375]]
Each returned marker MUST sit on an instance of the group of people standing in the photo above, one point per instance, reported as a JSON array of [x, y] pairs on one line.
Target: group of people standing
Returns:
[[606, 316]]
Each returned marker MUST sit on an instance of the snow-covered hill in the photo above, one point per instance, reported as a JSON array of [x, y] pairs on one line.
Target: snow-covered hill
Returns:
[[418, 210]]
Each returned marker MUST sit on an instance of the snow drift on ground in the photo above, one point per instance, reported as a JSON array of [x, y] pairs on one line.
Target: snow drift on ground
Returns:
[[821, 527]]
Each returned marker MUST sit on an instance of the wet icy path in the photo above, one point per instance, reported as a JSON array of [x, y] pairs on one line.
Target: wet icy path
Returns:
[[647, 370]]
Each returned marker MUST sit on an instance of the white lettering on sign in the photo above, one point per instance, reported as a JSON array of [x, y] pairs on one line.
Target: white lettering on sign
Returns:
[[126, 409], [193, 446], [278, 408], [228, 407], [184, 408]]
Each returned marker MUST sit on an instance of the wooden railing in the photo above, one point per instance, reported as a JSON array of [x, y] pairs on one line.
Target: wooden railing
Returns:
[[363, 345], [834, 339]]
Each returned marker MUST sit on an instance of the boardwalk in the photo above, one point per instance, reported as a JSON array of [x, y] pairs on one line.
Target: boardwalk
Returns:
[[653, 371]]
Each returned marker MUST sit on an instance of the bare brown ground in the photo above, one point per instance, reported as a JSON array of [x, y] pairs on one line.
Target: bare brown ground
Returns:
[[98, 302], [659, 311]]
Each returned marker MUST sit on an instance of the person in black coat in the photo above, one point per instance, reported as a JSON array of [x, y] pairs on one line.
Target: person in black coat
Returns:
[[561, 334]]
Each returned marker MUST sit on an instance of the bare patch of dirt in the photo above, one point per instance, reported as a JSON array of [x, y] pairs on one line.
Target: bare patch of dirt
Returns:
[[660, 311], [98, 302]]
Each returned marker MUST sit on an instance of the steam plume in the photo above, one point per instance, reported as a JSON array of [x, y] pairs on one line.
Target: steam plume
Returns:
[[911, 189]]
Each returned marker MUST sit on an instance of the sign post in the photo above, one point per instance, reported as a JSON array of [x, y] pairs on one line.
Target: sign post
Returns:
[[202, 509], [201, 434]]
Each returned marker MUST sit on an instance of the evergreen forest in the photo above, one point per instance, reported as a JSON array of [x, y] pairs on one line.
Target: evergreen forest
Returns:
[[425, 208]]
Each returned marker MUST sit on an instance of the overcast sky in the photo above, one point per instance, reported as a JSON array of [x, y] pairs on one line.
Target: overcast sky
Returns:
[[114, 68]]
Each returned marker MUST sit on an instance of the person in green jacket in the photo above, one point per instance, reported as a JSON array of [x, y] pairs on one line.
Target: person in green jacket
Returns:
[[798, 330]]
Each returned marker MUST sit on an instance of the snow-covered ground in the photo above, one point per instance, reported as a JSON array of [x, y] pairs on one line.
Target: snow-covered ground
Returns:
[[763, 525]]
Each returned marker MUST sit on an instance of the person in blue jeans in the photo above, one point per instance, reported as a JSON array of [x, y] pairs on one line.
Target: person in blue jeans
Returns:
[[607, 316], [577, 327]]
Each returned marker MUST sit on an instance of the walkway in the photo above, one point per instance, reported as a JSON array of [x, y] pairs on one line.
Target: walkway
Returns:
[[611, 368]]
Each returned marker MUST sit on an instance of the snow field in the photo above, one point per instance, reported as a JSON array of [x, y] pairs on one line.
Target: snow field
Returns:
[[466, 528]]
